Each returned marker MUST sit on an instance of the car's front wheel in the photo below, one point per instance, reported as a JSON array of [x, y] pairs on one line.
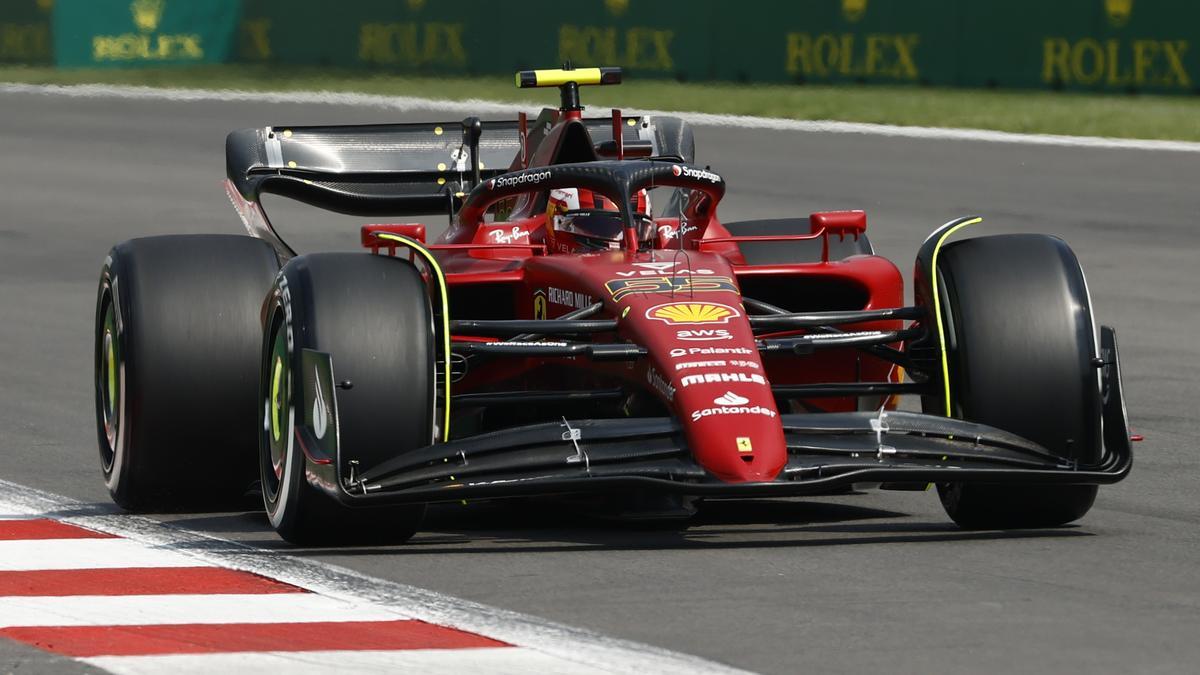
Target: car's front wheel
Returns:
[[372, 314], [1021, 356]]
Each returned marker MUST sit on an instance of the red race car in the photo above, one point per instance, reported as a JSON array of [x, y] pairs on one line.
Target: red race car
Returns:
[[586, 325]]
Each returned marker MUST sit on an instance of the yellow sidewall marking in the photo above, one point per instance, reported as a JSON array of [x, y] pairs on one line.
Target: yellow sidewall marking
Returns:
[[441, 279], [276, 404], [937, 306], [111, 359]]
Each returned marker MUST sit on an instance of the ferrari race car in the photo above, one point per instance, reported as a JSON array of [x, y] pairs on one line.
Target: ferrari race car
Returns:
[[587, 327]]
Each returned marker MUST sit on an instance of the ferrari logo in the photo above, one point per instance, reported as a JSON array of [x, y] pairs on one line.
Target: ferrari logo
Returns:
[[676, 313], [147, 14], [619, 288], [744, 445], [1118, 11], [539, 305]]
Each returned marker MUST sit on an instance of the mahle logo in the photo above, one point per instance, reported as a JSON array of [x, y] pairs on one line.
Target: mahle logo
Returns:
[[854, 10], [147, 14], [1118, 11]]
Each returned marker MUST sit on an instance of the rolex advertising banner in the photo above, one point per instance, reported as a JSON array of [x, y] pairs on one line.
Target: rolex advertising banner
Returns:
[[1093, 45], [25, 31], [125, 33]]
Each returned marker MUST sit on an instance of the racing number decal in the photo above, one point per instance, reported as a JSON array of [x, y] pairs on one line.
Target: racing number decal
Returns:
[[619, 288]]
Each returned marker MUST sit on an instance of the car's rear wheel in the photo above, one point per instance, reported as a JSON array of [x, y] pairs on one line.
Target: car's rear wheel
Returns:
[[373, 315], [1020, 353], [176, 353]]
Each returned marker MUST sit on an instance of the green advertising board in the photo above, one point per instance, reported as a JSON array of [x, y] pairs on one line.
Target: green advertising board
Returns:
[[124, 33], [1098, 45], [25, 31]]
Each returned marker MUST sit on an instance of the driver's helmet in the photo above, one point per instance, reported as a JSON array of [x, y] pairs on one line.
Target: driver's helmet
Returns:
[[583, 220]]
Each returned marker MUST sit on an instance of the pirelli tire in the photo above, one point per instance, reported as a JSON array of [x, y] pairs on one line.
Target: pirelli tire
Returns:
[[1021, 357], [373, 315], [177, 338]]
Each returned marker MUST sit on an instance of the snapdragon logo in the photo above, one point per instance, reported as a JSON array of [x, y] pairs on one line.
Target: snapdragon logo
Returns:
[[689, 172], [508, 181]]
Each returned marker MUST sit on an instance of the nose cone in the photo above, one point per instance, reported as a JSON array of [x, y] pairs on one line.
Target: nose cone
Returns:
[[686, 310], [737, 436], [707, 362]]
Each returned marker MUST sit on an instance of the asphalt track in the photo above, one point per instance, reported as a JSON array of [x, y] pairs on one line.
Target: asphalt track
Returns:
[[847, 584]]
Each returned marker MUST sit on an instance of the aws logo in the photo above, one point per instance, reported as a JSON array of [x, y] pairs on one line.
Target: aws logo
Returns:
[[685, 313]]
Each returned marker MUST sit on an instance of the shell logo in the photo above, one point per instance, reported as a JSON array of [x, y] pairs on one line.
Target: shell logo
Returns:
[[679, 313]]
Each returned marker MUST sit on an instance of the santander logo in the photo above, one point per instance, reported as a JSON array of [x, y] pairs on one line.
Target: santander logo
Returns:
[[729, 398]]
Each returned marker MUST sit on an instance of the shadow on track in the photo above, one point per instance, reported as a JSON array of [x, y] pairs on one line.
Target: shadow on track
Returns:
[[531, 527]]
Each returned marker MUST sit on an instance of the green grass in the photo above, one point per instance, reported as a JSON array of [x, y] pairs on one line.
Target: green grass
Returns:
[[1125, 116]]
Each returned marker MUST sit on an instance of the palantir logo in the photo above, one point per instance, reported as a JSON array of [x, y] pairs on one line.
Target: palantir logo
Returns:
[[730, 399]]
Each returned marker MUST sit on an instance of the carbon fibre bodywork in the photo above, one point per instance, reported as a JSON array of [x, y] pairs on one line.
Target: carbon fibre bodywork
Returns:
[[682, 365]]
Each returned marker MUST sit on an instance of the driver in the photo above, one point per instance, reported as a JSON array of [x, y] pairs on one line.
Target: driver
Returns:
[[582, 220]]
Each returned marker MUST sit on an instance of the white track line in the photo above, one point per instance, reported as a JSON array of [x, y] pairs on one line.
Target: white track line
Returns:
[[565, 643], [75, 554], [412, 103], [104, 610], [494, 661]]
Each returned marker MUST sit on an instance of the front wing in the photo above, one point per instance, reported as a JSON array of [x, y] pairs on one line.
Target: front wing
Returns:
[[826, 452]]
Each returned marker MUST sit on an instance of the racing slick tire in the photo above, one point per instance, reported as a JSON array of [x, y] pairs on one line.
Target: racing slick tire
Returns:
[[177, 338], [1020, 353], [373, 315]]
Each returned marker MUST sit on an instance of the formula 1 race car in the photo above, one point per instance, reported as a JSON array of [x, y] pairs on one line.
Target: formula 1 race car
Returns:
[[588, 327]]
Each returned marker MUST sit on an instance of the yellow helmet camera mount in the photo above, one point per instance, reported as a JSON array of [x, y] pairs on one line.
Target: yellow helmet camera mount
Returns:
[[568, 80]]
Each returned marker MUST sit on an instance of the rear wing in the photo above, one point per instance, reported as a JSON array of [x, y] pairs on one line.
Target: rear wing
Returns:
[[413, 169], [367, 170]]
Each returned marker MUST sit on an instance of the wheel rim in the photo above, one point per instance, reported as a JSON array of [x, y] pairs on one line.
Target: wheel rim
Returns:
[[108, 381], [275, 406]]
